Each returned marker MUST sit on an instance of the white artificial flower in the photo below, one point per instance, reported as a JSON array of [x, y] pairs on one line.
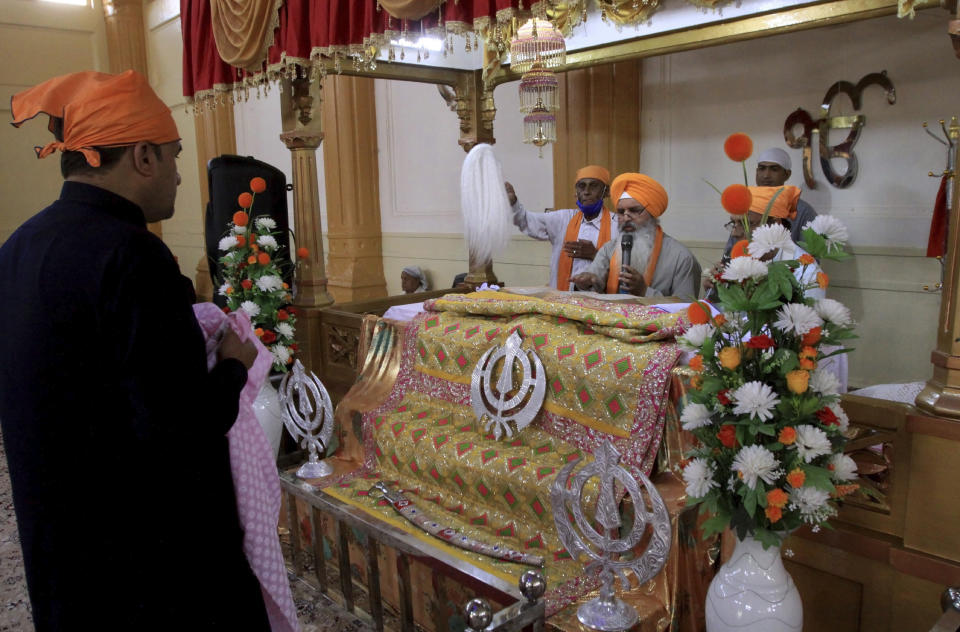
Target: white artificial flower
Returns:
[[270, 282], [755, 399], [797, 318], [833, 312], [812, 504], [285, 330], [743, 268], [695, 416], [265, 223], [227, 242], [267, 242], [251, 308], [755, 461], [698, 475], [280, 354], [824, 382], [768, 238], [693, 339], [842, 468], [842, 418], [240, 230], [832, 229], [223, 289], [811, 442]]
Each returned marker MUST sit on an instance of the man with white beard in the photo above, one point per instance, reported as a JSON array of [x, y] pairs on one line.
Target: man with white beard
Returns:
[[668, 267]]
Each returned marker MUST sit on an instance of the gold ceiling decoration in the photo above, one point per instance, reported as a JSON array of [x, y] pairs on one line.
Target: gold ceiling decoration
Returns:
[[408, 9], [627, 12], [565, 15]]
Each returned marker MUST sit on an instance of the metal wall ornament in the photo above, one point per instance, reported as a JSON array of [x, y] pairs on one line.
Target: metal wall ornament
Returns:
[[826, 122], [494, 406], [610, 554], [308, 416]]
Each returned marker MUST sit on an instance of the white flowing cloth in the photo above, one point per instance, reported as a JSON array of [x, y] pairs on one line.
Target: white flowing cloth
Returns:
[[254, 472]]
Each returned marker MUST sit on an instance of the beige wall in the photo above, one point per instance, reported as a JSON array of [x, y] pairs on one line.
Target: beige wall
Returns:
[[38, 40]]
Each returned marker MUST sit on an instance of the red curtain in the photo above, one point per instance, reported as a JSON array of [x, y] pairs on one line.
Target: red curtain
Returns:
[[323, 26]]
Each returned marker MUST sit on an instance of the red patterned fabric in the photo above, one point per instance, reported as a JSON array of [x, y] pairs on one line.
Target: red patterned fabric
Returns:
[[320, 27]]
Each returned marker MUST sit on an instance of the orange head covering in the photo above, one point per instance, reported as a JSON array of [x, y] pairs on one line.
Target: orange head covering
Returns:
[[641, 188], [785, 206], [98, 110], [593, 171]]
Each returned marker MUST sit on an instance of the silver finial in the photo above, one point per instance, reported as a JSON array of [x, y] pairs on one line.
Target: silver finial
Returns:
[[532, 585], [479, 614]]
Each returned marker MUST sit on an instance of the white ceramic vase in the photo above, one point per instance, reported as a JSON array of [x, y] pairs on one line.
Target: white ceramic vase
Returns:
[[753, 592], [267, 409]]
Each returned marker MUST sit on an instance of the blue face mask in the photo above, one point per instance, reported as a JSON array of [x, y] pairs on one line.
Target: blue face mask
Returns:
[[591, 211]]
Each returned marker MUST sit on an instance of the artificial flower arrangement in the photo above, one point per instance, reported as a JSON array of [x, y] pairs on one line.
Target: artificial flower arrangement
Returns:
[[769, 426], [253, 266]]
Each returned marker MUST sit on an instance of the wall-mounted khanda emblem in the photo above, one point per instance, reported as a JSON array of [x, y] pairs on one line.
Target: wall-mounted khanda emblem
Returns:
[[823, 125], [496, 401]]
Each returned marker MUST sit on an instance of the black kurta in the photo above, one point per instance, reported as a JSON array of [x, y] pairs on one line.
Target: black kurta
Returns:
[[115, 431]]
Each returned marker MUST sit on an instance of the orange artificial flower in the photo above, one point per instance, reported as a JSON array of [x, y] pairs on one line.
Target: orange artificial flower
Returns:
[[302, 252], [806, 259], [241, 240], [696, 363], [729, 358], [258, 331], [738, 147], [253, 237], [728, 435], [773, 513], [823, 280], [245, 200], [736, 199], [263, 258], [258, 185], [808, 364], [251, 259], [720, 319], [812, 337], [240, 218], [285, 286], [698, 313], [282, 315], [247, 284], [843, 490], [740, 249], [255, 247], [796, 478], [798, 380], [229, 290], [696, 382], [808, 352], [776, 497], [787, 436]]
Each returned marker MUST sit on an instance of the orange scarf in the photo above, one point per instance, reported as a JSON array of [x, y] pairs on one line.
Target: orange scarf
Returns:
[[565, 263], [613, 276]]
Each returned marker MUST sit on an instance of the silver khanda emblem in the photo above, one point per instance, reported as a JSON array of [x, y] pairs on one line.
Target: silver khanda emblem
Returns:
[[604, 547], [495, 406], [308, 416]]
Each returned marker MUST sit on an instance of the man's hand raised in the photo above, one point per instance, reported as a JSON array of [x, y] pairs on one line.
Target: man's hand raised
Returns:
[[511, 194]]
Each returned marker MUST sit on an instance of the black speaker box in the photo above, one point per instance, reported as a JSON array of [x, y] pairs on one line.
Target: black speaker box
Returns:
[[228, 177]]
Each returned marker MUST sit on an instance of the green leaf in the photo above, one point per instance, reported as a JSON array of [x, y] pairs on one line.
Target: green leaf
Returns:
[[715, 524], [768, 429], [750, 502], [766, 537], [733, 297], [818, 477]]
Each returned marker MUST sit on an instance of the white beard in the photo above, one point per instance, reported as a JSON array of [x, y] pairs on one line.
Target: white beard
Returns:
[[643, 237]]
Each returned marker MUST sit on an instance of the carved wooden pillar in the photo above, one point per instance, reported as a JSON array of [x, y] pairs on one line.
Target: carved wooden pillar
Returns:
[[300, 100], [598, 124], [216, 135], [352, 178], [127, 46], [941, 396]]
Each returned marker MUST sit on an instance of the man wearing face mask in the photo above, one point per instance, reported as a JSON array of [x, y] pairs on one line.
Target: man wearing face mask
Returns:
[[658, 264], [576, 234]]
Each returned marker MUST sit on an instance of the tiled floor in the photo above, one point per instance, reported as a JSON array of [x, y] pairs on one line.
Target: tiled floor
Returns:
[[316, 612]]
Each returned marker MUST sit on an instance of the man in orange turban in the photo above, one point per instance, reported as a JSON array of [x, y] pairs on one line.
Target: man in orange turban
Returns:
[[114, 429], [575, 234], [656, 264]]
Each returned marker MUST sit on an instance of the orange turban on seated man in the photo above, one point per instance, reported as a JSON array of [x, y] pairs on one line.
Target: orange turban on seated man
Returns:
[[593, 171], [785, 206], [641, 188], [98, 110]]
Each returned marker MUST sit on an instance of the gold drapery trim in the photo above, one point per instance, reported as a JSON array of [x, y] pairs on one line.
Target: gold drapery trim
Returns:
[[243, 30], [409, 9]]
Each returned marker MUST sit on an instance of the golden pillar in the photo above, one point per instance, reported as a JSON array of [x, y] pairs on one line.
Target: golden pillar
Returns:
[[352, 177], [127, 46], [941, 396], [598, 124], [216, 136], [300, 99]]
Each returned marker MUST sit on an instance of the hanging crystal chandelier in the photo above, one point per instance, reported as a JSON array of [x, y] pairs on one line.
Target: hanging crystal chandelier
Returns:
[[536, 51]]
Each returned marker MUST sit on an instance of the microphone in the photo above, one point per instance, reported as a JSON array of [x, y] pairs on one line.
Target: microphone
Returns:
[[626, 246]]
